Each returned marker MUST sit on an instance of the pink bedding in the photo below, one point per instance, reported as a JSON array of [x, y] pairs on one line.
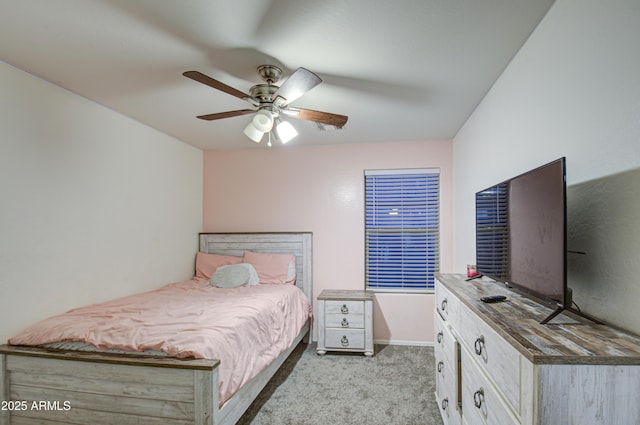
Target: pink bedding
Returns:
[[246, 328]]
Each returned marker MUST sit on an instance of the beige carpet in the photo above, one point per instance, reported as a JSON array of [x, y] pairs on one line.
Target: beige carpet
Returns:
[[396, 386]]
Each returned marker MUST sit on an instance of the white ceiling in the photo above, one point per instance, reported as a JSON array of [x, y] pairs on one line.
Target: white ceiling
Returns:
[[402, 70]]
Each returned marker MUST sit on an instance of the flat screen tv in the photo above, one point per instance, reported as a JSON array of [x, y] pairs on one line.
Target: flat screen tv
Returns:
[[521, 233]]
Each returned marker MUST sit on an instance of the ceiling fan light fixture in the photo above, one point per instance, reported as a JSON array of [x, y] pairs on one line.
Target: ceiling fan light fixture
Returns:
[[286, 131], [253, 133], [263, 121]]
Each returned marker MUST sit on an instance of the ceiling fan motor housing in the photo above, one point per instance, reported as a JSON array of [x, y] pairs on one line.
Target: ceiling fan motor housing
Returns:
[[263, 93], [270, 74]]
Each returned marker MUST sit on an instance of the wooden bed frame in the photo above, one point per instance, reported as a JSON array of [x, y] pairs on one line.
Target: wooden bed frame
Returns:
[[39, 386]]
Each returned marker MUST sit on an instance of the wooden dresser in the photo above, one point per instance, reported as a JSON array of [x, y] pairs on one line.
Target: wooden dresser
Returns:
[[345, 321], [496, 364]]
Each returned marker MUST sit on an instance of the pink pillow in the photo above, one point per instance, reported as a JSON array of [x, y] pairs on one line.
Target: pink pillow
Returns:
[[273, 268], [206, 264]]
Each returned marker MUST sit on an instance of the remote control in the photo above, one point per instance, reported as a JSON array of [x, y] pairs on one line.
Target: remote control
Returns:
[[493, 298]]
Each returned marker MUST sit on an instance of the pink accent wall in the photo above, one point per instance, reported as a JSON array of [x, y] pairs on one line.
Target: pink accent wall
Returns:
[[321, 189]]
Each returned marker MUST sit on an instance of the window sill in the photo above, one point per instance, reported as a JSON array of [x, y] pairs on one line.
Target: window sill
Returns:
[[400, 291]]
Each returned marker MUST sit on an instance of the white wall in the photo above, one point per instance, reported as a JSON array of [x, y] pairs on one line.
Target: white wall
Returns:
[[573, 90], [93, 205]]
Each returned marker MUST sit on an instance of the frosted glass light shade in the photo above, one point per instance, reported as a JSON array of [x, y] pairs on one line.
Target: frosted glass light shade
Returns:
[[253, 133], [286, 131], [263, 121]]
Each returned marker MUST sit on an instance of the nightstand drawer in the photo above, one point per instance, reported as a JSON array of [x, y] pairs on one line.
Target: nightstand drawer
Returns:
[[344, 338], [344, 321], [344, 307]]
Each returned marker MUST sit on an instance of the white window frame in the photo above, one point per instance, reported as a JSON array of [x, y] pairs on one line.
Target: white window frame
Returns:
[[389, 265]]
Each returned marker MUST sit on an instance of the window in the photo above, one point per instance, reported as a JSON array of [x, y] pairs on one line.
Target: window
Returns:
[[402, 239]]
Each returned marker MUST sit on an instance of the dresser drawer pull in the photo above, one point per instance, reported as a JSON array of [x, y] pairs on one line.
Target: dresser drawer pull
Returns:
[[440, 366], [440, 335], [345, 323], [344, 341], [344, 309], [478, 397], [479, 345], [445, 403], [443, 305]]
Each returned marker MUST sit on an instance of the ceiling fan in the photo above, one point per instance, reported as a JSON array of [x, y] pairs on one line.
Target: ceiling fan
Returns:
[[272, 102]]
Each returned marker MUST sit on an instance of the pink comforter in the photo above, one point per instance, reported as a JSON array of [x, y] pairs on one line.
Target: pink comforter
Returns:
[[245, 328]]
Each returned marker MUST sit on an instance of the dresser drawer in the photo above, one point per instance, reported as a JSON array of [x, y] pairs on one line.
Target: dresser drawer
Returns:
[[447, 397], [481, 402], [344, 321], [447, 373], [445, 346], [493, 355], [447, 305], [344, 307], [446, 356], [344, 338]]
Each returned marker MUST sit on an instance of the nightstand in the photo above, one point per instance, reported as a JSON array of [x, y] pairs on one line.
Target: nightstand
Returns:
[[345, 321]]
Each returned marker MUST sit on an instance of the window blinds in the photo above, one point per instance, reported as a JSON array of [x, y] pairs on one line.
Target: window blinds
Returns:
[[402, 229]]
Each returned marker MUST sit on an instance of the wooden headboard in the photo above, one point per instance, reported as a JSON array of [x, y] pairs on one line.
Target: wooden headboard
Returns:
[[297, 243]]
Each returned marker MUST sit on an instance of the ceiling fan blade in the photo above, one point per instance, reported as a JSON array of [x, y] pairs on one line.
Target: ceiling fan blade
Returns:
[[300, 82], [204, 79], [229, 114], [317, 116]]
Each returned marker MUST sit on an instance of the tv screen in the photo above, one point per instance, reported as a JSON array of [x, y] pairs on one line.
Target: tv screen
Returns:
[[521, 232]]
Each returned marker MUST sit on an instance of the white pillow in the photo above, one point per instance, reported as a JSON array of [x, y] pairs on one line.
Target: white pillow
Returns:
[[235, 275]]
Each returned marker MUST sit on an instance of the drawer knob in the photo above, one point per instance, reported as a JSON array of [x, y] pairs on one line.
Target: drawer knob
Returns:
[[344, 309], [445, 403], [440, 335], [478, 397], [344, 341], [443, 305], [479, 345], [345, 323], [440, 366]]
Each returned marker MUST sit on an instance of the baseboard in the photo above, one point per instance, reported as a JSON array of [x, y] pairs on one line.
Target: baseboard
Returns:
[[400, 342]]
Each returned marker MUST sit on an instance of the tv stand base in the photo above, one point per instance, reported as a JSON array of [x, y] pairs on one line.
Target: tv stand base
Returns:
[[560, 309], [569, 302]]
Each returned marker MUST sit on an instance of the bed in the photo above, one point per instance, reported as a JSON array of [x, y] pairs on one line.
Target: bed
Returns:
[[39, 385]]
